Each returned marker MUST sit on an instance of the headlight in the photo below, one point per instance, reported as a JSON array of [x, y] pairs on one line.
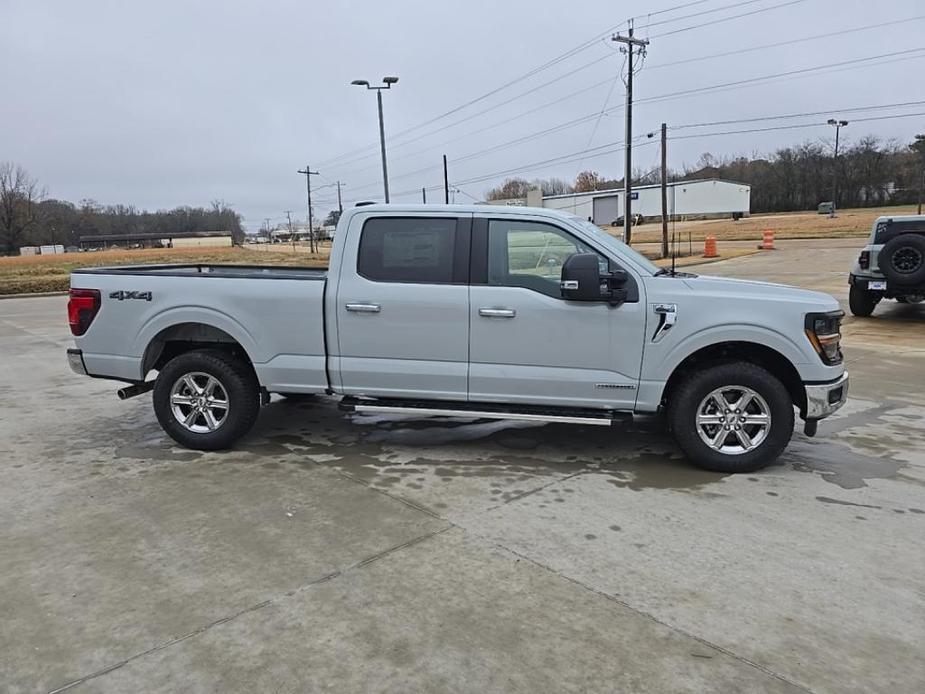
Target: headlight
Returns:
[[824, 333]]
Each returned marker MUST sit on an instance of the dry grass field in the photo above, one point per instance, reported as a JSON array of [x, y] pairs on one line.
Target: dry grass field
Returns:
[[790, 225], [50, 273]]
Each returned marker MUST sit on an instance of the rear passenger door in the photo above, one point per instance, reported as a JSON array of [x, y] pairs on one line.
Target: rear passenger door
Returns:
[[402, 307]]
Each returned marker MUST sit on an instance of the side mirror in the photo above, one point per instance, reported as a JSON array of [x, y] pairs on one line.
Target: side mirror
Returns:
[[582, 280]]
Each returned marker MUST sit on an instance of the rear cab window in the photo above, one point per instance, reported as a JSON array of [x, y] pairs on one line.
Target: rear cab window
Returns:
[[418, 250]]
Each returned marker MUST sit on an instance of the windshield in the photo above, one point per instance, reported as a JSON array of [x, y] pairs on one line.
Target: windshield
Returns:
[[616, 245]]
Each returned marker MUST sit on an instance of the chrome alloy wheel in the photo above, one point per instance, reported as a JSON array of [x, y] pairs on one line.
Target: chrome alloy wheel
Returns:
[[199, 402], [733, 420]]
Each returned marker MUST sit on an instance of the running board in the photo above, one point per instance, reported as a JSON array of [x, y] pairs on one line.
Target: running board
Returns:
[[605, 418]]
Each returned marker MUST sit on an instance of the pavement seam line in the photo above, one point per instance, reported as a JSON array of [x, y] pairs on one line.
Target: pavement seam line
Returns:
[[530, 492], [253, 608], [642, 613]]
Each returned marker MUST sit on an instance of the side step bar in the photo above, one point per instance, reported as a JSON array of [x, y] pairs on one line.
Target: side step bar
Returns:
[[436, 409]]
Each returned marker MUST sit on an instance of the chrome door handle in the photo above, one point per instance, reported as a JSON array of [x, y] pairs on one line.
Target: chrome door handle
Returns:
[[364, 308], [497, 312]]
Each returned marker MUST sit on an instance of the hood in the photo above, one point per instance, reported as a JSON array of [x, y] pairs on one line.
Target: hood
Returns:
[[723, 287]]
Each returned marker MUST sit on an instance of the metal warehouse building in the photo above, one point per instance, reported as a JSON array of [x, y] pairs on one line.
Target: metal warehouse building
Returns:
[[703, 198]]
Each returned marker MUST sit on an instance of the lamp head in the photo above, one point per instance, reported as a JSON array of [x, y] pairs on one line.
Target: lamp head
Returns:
[[360, 83], [390, 80]]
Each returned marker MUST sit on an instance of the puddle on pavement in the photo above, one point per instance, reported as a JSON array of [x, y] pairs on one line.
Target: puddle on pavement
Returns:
[[839, 464], [411, 454]]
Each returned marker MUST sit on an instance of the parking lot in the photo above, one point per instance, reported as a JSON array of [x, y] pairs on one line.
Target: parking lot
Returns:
[[395, 554]]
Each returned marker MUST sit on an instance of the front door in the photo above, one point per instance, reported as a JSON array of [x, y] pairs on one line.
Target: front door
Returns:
[[529, 345], [402, 308]]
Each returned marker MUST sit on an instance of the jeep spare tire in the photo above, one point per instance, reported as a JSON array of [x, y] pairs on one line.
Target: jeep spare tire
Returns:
[[902, 260]]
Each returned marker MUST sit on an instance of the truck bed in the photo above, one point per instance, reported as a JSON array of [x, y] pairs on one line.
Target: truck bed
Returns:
[[278, 323]]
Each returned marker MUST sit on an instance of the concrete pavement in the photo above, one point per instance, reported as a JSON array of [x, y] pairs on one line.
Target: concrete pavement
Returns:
[[393, 554]]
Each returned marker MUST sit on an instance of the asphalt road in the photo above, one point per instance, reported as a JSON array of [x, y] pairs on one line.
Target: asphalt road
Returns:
[[392, 554]]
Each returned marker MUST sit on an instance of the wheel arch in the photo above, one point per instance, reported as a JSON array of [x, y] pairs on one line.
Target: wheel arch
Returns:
[[179, 338], [731, 351]]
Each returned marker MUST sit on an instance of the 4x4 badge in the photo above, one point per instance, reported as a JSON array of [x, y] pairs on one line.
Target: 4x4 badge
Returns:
[[121, 295]]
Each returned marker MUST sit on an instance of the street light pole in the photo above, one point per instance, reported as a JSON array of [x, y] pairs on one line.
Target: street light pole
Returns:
[[839, 124], [388, 82]]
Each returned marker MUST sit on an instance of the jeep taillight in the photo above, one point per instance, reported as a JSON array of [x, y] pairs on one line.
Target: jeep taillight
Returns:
[[82, 308], [864, 260]]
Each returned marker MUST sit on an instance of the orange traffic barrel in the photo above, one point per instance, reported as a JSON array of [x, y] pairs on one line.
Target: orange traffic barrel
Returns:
[[767, 240], [709, 247]]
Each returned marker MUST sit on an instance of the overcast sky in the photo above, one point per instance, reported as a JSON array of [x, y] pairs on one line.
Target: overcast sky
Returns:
[[170, 103]]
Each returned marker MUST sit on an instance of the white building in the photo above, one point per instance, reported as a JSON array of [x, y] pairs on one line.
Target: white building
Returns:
[[686, 199]]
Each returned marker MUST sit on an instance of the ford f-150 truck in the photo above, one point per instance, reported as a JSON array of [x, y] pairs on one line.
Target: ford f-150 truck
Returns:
[[469, 311]]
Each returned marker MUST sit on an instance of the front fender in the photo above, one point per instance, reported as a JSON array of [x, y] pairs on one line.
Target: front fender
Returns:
[[663, 358]]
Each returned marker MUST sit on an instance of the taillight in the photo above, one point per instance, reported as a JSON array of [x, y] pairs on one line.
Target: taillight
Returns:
[[82, 308], [864, 260]]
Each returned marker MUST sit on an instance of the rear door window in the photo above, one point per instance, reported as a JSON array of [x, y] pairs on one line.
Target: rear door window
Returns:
[[409, 249]]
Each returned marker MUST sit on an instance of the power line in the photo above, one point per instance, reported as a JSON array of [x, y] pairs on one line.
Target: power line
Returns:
[[530, 73], [728, 19], [701, 13], [789, 42], [797, 115], [663, 97], [592, 87], [795, 126], [612, 147]]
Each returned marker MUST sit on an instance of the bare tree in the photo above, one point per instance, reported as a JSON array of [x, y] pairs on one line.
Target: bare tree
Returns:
[[19, 197]]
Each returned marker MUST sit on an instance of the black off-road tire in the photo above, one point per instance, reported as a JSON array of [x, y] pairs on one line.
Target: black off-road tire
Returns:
[[861, 301], [902, 260], [239, 382], [690, 393]]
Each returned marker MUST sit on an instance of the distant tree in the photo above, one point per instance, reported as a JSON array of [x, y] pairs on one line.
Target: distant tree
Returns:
[[511, 188], [19, 198], [331, 219], [587, 181], [551, 186]]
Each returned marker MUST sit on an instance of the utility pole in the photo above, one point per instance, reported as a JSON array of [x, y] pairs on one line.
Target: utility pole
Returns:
[[308, 186], [340, 205], [632, 46], [664, 190], [446, 184], [839, 124], [424, 195], [289, 222]]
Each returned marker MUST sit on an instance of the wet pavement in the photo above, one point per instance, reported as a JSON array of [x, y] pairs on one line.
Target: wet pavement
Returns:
[[370, 553]]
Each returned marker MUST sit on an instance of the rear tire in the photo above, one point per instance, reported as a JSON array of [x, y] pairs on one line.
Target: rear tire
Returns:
[[206, 399], [707, 407], [861, 301]]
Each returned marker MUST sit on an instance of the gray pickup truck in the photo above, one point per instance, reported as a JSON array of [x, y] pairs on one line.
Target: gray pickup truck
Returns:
[[891, 266], [469, 311]]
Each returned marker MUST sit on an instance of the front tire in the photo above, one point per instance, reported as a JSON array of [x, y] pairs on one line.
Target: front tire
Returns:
[[861, 301], [206, 399], [732, 417]]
